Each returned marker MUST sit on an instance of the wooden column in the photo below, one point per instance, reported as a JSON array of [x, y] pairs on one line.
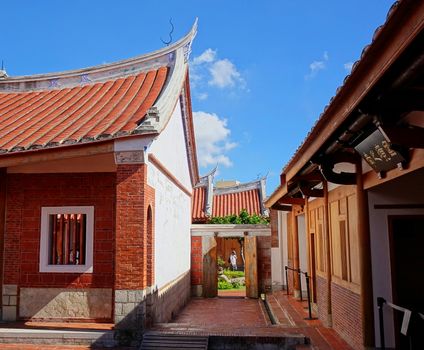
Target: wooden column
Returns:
[[328, 253], [364, 241], [295, 243], [311, 270]]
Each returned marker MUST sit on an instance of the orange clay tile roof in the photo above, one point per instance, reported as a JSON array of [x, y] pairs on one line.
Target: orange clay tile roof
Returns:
[[198, 204], [52, 117], [233, 203], [225, 204]]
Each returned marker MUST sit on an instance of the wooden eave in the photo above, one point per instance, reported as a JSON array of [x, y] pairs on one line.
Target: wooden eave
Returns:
[[389, 42], [56, 153]]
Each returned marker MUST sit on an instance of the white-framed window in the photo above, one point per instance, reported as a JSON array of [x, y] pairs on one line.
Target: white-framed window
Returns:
[[66, 243]]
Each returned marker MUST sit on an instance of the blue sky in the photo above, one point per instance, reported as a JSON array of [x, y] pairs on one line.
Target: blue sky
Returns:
[[262, 71]]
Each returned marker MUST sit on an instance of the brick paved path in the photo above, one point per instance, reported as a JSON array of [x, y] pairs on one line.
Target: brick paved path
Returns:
[[236, 316]]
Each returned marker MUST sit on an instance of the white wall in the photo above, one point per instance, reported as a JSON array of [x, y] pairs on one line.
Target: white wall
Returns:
[[172, 215], [405, 190], [172, 206], [170, 148], [279, 255]]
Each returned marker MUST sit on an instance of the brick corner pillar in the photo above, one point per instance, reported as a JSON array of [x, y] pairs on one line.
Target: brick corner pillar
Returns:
[[130, 287]]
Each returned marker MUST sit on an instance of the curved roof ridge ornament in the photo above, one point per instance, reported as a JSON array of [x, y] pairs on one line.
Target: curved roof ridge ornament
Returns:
[[170, 34], [106, 71]]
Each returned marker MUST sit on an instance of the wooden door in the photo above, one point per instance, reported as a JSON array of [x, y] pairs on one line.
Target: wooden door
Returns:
[[251, 269], [210, 273]]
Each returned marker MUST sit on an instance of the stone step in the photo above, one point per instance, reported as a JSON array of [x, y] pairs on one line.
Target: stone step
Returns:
[[96, 338], [173, 341]]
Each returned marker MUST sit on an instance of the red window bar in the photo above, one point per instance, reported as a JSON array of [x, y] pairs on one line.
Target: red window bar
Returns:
[[67, 239]]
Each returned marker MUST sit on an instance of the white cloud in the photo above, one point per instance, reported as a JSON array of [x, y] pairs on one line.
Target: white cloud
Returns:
[[325, 56], [201, 96], [207, 56], [207, 70], [212, 139], [348, 66], [224, 74], [317, 66]]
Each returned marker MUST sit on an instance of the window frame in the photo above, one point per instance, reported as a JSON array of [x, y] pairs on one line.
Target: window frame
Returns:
[[44, 239]]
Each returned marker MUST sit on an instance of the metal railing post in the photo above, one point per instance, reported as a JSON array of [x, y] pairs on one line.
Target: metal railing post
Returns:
[[380, 302], [287, 280], [309, 296], [300, 283]]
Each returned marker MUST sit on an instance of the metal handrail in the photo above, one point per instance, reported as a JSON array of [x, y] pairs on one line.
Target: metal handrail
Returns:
[[299, 271], [405, 322]]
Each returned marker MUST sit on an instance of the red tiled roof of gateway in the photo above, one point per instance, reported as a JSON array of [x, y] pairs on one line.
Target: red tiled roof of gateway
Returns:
[[37, 119], [233, 203], [223, 201], [198, 204], [131, 97]]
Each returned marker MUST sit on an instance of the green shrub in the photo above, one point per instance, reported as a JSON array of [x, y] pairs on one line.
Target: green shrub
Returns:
[[222, 284], [220, 261], [242, 218], [233, 274], [236, 284]]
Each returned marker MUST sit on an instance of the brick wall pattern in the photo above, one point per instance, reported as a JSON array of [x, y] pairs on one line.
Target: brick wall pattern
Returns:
[[26, 194], [347, 315]]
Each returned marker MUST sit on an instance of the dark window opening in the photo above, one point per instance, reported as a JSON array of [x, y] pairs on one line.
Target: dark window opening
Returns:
[[67, 239]]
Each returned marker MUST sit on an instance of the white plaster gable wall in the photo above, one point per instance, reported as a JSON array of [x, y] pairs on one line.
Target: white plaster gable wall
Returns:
[[170, 148], [172, 215]]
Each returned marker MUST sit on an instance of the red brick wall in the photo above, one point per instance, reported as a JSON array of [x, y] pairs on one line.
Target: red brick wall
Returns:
[[264, 264], [26, 194], [273, 215], [196, 261], [130, 243], [347, 315], [322, 299]]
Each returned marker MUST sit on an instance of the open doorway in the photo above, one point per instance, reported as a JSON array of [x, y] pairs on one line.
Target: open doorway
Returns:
[[231, 266], [407, 259]]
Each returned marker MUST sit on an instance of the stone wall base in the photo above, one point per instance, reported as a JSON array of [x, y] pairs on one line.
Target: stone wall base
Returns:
[[136, 310], [10, 302], [65, 304], [197, 290]]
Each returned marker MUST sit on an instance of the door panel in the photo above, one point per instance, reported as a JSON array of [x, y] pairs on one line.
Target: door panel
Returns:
[[251, 269], [210, 276]]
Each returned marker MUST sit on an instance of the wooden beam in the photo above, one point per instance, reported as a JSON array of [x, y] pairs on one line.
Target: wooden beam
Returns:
[[408, 137], [307, 191], [313, 176], [290, 200], [281, 207], [62, 152], [416, 157]]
